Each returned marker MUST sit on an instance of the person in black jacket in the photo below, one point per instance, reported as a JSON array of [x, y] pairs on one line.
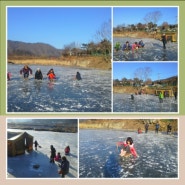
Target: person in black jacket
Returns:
[[146, 127], [78, 76], [64, 167], [164, 41], [53, 154], [36, 144], [38, 74], [169, 128]]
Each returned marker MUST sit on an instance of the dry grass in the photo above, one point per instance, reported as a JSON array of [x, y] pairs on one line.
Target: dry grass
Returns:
[[85, 62], [128, 124], [134, 34], [132, 90]]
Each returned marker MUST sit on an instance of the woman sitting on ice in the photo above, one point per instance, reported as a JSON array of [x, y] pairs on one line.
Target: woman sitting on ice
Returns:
[[127, 148]]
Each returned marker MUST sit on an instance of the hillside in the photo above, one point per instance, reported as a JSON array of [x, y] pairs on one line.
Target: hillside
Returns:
[[128, 124], [46, 125], [16, 48]]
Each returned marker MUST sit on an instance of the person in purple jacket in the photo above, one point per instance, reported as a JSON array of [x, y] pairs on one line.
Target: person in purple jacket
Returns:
[[26, 71]]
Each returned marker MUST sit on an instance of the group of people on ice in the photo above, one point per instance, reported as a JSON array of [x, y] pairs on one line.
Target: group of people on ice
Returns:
[[63, 162], [157, 126], [26, 71], [135, 46]]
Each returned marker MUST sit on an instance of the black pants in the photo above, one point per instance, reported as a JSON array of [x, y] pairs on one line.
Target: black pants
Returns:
[[26, 75], [164, 44]]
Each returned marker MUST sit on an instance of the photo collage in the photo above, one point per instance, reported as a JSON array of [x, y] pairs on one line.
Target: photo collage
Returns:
[[92, 92]]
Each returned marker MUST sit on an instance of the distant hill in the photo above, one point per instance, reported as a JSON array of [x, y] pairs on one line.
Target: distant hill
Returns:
[[16, 48], [65, 125], [170, 81]]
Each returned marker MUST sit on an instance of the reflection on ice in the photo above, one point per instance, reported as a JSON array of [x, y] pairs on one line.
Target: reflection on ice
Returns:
[[99, 158], [92, 94]]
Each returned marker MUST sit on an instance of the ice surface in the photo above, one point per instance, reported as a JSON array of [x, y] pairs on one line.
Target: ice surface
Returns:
[[99, 157], [21, 166], [153, 51], [143, 103], [91, 94]]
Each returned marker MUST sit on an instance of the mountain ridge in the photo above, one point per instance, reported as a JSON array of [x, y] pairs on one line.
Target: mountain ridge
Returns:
[[38, 49]]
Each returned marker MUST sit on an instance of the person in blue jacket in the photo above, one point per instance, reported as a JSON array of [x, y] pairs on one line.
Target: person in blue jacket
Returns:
[[141, 44]]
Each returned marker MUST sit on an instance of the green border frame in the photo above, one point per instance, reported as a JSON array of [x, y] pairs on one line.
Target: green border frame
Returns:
[[115, 3]]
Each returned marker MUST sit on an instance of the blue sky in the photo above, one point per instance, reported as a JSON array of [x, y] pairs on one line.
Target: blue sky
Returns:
[[159, 70], [134, 15], [57, 26]]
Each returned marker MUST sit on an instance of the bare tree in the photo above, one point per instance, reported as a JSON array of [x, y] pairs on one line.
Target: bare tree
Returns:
[[138, 74], [104, 33], [153, 17], [147, 72], [142, 73]]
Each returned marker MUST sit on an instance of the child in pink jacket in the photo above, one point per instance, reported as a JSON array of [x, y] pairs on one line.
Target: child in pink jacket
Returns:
[[135, 46], [128, 148]]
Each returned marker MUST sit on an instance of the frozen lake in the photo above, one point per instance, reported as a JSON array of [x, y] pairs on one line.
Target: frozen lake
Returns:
[[21, 166], [91, 94], [143, 103], [153, 51], [99, 157]]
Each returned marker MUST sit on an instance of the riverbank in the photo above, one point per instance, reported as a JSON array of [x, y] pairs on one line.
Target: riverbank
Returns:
[[135, 34], [128, 124], [96, 62], [133, 90]]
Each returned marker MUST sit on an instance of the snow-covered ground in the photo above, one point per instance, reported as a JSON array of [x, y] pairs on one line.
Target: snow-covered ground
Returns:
[[91, 94], [21, 166], [99, 157], [153, 51], [143, 103]]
